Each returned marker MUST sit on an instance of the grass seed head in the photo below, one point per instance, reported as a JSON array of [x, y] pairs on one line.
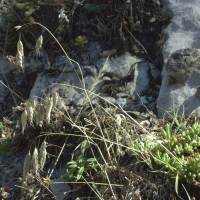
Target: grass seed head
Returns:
[[38, 45], [20, 54], [55, 99], [42, 155], [40, 115], [33, 104], [27, 166], [30, 113], [24, 120], [34, 161], [49, 106]]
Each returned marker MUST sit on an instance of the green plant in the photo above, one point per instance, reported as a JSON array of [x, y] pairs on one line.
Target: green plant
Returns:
[[81, 165], [5, 145], [1, 129], [81, 41], [178, 152]]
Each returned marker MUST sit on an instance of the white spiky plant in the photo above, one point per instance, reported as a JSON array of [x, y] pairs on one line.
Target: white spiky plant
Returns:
[[38, 45], [20, 54], [42, 155], [35, 162], [30, 113], [33, 104], [55, 99], [49, 105], [27, 166], [40, 115], [24, 120]]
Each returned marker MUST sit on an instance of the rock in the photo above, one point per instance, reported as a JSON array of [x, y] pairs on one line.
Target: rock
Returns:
[[118, 67], [181, 80], [131, 78], [122, 102], [181, 73], [155, 72], [181, 65], [68, 87], [144, 100], [7, 69], [60, 189], [6, 66], [121, 95], [140, 81], [184, 29], [91, 55], [3, 91], [109, 99]]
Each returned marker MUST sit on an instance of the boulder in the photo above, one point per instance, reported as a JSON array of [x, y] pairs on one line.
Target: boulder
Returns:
[[184, 29], [131, 73], [180, 83]]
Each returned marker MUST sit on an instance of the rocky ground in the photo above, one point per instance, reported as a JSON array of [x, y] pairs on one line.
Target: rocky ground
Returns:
[[118, 53]]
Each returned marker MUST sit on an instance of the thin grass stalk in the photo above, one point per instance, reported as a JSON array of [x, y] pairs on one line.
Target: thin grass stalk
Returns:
[[39, 180], [70, 60], [92, 188], [130, 118], [101, 167]]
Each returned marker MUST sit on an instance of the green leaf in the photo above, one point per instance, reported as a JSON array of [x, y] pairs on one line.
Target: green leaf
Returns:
[[94, 7], [80, 173], [83, 147], [81, 160], [71, 162], [91, 160], [70, 173], [170, 167], [73, 166]]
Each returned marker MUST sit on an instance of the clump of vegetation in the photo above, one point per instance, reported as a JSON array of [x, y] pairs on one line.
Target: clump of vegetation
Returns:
[[5, 143], [1, 129], [184, 147], [106, 131], [81, 165], [176, 153], [81, 41]]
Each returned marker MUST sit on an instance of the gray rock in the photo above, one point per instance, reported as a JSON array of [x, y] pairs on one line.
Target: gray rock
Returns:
[[63, 64], [92, 54], [3, 91], [68, 87], [69, 84], [121, 95], [110, 99], [181, 65], [60, 189], [156, 73], [180, 84], [122, 102], [5, 65], [184, 29], [140, 81], [118, 67]]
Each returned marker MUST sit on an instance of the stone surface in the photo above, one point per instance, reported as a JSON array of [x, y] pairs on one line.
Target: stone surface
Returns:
[[181, 80], [60, 189], [184, 29], [7, 172], [181, 65], [141, 79], [120, 66], [130, 72], [181, 72]]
